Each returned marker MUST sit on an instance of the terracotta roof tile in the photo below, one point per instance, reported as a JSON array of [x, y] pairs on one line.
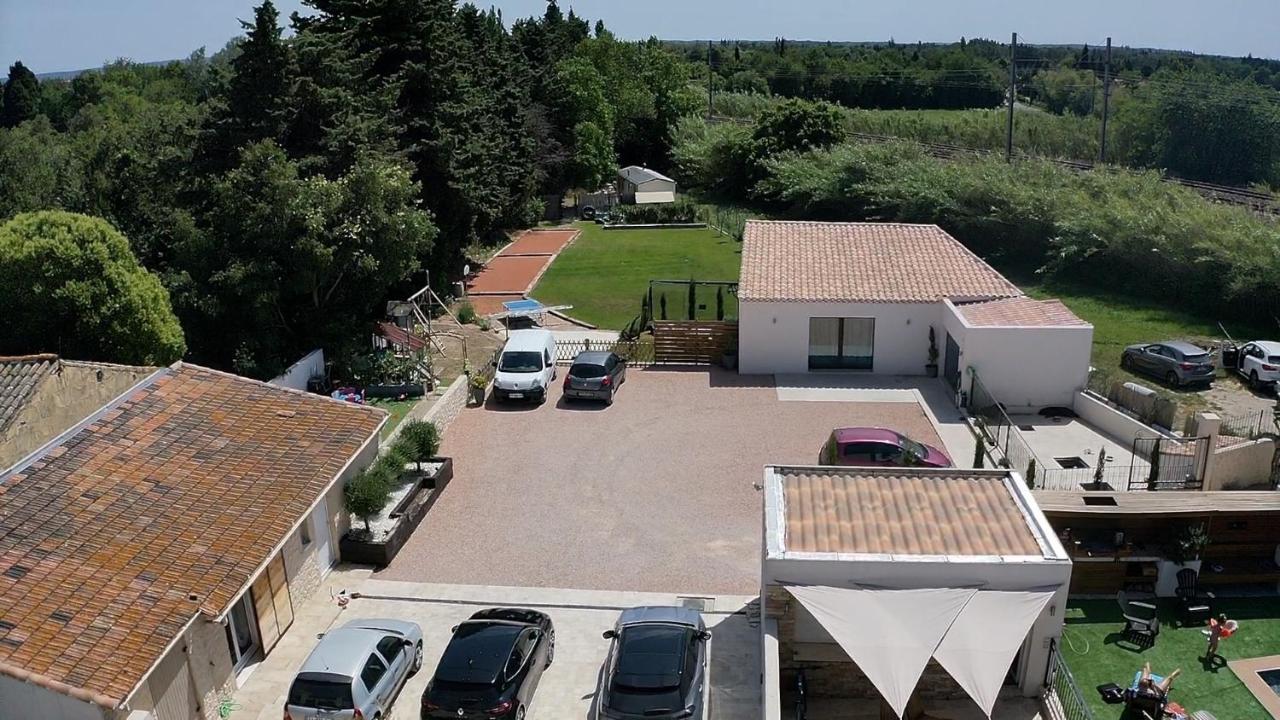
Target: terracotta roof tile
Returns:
[[185, 487], [1019, 312], [785, 261], [19, 378], [903, 512]]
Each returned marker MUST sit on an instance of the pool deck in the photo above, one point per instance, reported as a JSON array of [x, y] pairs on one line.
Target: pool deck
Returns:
[[1247, 671]]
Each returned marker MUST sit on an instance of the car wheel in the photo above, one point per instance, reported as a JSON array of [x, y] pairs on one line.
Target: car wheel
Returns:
[[1126, 362], [417, 658], [1254, 383], [609, 400], [1172, 379]]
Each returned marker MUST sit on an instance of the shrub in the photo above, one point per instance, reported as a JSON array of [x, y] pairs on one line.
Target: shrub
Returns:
[[366, 494], [422, 440], [466, 314], [393, 459], [683, 210]]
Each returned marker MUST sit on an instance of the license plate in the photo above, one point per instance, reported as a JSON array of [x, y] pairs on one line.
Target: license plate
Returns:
[[515, 395]]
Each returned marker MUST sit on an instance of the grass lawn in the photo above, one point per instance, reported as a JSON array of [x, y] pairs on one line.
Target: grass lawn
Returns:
[[398, 409], [1095, 657], [604, 274]]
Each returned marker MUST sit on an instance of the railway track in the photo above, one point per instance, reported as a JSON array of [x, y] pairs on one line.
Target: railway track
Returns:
[[1258, 201]]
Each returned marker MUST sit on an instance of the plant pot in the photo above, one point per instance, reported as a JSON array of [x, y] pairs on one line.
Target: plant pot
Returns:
[[476, 395], [931, 370], [729, 361], [356, 547]]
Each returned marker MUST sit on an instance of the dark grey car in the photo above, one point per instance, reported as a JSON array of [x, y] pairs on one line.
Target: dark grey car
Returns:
[[657, 668], [1176, 362], [595, 375]]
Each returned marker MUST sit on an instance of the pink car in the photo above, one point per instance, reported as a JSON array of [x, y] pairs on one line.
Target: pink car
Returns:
[[865, 446]]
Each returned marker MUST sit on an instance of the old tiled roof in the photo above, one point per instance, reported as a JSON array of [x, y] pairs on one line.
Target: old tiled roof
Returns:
[[19, 378], [163, 505], [1019, 312], [903, 511], [862, 262]]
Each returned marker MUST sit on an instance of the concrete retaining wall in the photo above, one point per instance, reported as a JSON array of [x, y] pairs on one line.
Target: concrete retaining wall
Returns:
[[1243, 465], [1120, 426]]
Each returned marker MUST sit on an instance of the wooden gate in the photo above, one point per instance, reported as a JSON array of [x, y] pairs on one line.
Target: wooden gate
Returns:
[[272, 603], [693, 343]]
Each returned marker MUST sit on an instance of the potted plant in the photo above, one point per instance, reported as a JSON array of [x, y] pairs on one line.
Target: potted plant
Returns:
[[476, 386], [421, 441], [1183, 551], [931, 367]]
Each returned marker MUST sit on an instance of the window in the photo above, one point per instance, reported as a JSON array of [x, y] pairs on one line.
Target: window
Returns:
[[390, 647], [860, 451], [373, 671], [546, 354], [520, 361], [304, 532], [690, 663], [841, 343]]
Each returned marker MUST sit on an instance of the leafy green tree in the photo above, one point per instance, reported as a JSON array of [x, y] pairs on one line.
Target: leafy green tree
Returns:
[[39, 169], [593, 158], [69, 284], [366, 494], [1063, 90], [422, 439], [21, 96], [291, 262]]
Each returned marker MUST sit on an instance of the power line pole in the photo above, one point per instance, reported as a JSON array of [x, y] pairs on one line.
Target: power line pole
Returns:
[[1013, 96], [710, 75], [1106, 104]]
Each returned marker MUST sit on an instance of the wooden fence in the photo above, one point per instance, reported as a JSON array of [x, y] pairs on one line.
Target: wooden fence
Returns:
[[702, 342]]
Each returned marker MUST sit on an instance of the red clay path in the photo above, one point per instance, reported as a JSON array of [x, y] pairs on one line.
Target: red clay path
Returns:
[[540, 242], [513, 272]]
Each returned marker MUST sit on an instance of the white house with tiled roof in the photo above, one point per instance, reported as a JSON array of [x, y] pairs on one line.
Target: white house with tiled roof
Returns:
[[822, 297]]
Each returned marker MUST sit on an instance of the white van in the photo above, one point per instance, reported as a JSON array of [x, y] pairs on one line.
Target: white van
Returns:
[[526, 367]]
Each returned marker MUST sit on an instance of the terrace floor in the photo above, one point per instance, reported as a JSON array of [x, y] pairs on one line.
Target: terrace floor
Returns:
[[1057, 442], [1094, 649]]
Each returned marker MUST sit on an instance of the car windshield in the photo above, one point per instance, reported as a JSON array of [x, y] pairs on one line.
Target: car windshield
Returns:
[[520, 362], [321, 694], [587, 371]]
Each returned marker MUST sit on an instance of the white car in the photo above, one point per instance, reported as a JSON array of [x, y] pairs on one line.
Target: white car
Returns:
[[526, 366], [1259, 363]]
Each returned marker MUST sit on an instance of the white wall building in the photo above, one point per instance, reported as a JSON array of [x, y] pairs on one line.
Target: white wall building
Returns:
[[862, 297], [911, 586], [642, 186]]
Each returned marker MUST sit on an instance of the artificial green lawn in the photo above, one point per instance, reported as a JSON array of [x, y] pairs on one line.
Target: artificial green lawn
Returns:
[[398, 409], [1095, 657], [604, 274]]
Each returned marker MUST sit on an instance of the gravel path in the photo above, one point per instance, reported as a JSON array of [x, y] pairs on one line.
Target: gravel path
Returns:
[[654, 493]]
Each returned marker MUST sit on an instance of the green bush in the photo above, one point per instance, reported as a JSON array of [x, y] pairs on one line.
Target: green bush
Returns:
[[466, 314], [683, 210], [367, 493], [421, 439]]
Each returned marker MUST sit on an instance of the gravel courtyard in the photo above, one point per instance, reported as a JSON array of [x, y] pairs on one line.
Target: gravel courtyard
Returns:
[[655, 493]]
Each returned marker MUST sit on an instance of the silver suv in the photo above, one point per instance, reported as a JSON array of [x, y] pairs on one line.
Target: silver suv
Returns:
[[356, 671]]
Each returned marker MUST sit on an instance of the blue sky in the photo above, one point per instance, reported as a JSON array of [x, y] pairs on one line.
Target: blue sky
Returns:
[[52, 35]]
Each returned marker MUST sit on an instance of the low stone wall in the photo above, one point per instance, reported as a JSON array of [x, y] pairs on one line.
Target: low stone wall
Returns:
[[1242, 465], [449, 406]]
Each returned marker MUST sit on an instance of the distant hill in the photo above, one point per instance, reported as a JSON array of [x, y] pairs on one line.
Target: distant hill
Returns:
[[69, 74]]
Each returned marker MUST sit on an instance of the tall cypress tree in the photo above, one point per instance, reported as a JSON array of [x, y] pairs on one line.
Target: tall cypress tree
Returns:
[[21, 96], [254, 104]]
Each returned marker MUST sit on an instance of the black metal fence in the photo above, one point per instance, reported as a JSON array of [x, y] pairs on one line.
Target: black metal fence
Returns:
[[999, 430], [1250, 425], [1112, 477], [1064, 689]]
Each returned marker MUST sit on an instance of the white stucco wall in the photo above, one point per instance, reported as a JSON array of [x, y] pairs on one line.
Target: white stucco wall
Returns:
[[1028, 368], [1241, 466], [296, 377], [774, 337], [20, 699]]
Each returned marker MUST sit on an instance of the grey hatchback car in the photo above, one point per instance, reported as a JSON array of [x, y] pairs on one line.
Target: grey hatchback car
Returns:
[[595, 375], [1176, 362], [356, 671], [657, 666]]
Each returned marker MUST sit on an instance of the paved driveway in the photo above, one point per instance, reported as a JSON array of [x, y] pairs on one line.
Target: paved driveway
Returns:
[[656, 493], [567, 689]]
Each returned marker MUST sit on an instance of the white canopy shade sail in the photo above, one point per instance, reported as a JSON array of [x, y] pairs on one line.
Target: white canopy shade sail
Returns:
[[890, 634], [984, 639]]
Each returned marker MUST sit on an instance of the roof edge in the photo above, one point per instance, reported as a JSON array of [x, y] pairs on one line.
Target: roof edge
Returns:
[[48, 683], [278, 388]]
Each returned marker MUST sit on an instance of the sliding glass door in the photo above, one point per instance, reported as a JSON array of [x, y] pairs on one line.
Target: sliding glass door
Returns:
[[841, 343]]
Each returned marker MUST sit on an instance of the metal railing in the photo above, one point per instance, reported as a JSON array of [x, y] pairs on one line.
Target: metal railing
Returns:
[[1112, 477], [1250, 425], [999, 430], [1067, 692]]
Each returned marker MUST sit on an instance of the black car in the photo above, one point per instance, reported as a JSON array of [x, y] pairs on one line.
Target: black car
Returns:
[[492, 666], [595, 375]]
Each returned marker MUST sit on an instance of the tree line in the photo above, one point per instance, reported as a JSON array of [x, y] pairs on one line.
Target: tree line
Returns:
[[282, 189]]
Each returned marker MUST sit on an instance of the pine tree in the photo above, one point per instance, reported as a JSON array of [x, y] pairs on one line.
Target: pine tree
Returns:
[[21, 96], [255, 102]]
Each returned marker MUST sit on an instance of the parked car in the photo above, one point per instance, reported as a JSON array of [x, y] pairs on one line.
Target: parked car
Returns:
[[492, 666], [656, 667], [356, 671], [526, 367], [1259, 363], [873, 446], [595, 375], [1176, 362]]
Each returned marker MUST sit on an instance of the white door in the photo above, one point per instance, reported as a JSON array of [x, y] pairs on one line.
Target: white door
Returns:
[[320, 531]]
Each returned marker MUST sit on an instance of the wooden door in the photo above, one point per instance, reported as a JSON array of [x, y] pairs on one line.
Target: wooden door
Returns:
[[170, 685], [272, 603]]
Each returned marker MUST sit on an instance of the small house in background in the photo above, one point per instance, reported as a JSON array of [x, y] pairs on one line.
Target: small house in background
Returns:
[[641, 186]]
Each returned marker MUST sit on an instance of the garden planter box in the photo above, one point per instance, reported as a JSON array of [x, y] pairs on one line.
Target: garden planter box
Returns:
[[356, 547]]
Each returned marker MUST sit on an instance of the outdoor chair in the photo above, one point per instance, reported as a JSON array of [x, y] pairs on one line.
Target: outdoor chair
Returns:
[[1141, 703], [1140, 619], [1194, 607]]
